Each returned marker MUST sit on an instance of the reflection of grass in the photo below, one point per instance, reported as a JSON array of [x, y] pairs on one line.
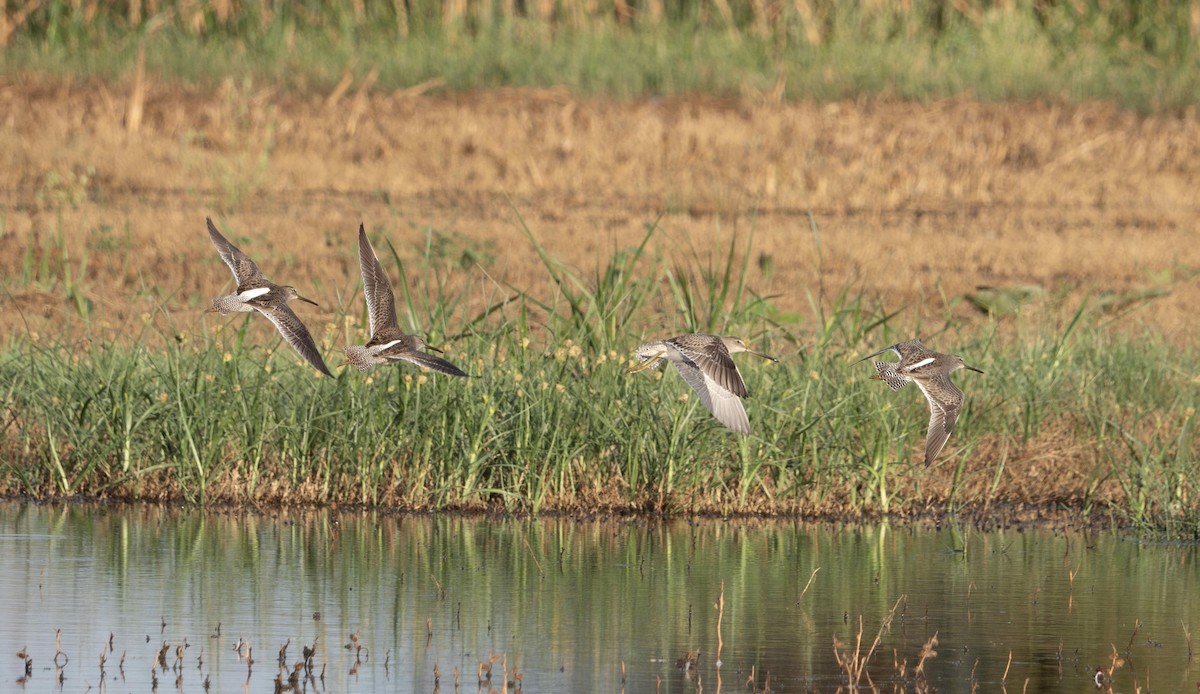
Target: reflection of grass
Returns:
[[552, 422], [1136, 52]]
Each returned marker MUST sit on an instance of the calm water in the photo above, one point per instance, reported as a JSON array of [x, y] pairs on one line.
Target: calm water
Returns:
[[568, 604]]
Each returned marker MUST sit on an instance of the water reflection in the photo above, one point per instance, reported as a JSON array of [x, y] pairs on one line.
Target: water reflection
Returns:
[[181, 599]]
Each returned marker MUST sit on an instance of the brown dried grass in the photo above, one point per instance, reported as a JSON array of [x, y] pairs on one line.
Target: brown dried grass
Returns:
[[915, 202]]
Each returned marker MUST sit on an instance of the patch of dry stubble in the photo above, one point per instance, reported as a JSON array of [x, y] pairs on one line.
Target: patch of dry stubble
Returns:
[[916, 202]]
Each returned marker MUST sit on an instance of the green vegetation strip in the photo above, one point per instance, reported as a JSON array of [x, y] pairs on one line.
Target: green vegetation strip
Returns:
[[1140, 53], [552, 422]]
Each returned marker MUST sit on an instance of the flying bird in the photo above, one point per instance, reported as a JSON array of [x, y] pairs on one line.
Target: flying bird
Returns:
[[931, 372], [256, 293], [388, 342], [705, 363]]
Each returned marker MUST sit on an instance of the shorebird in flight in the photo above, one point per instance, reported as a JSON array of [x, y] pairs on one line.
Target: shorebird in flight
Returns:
[[388, 342], [256, 293], [931, 372], [705, 363]]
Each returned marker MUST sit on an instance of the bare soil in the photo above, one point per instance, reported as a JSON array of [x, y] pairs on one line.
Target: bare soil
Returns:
[[107, 188]]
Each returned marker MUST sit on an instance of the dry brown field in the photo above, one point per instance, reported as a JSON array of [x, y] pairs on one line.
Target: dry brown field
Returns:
[[916, 203]]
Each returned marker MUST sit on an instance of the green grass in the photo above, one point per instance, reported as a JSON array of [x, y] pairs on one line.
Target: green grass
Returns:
[[1140, 53], [552, 421]]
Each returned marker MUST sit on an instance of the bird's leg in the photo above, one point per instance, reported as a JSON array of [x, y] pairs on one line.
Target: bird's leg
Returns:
[[646, 364]]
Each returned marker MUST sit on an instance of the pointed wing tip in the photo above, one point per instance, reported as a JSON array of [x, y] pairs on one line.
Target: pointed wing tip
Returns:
[[214, 233], [313, 359], [735, 420], [930, 458], [433, 363], [935, 442], [889, 348], [739, 425], [295, 333]]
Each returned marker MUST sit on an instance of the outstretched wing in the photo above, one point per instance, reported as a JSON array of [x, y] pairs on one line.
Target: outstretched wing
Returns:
[[891, 348], [945, 403], [713, 359], [289, 325], [722, 403], [429, 361], [244, 270], [381, 302]]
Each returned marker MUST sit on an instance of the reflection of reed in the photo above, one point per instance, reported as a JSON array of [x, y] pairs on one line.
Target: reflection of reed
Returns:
[[60, 658], [752, 682], [720, 615], [853, 664], [926, 652], [23, 654], [485, 675]]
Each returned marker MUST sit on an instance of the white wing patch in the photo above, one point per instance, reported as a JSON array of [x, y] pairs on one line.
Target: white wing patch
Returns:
[[923, 362], [254, 293]]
